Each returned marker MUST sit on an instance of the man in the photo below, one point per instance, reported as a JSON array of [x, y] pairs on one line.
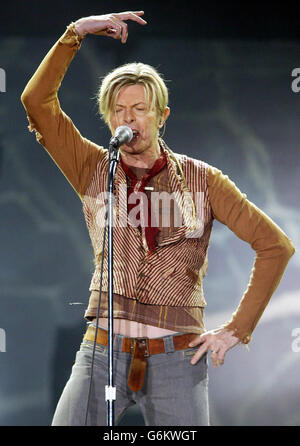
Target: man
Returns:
[[160, 342]]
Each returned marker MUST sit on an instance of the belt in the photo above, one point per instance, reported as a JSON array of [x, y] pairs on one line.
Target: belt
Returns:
[[140, 349]]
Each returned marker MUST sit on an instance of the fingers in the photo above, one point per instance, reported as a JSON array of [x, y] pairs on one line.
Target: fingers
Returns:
[[218, 356], [199, 354], [198, 340], [217, 350], [215, 358], [119, 29], [221, 355], [132, 15]]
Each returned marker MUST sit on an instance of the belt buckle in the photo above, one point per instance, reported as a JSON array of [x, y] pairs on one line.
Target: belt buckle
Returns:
[[144, 341]]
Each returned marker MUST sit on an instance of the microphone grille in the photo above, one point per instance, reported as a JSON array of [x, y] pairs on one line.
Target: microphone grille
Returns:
[[124, 134]]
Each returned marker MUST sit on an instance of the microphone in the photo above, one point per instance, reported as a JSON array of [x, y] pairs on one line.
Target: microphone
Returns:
[[122, 135]]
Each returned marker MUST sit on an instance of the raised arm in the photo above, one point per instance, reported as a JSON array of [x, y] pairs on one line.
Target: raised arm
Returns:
[[75, 155]]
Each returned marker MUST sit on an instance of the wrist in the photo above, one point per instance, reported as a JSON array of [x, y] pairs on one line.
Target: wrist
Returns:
[[79, 28]]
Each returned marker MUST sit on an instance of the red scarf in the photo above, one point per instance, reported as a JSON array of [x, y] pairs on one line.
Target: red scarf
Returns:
[[139, 186]]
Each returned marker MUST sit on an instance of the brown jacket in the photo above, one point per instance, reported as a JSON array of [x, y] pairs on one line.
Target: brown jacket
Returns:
[[83, 163]]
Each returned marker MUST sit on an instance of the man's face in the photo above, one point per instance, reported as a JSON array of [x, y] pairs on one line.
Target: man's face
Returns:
[[131, 110]]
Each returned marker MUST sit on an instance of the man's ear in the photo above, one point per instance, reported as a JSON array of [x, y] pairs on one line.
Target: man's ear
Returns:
[[164, 117]]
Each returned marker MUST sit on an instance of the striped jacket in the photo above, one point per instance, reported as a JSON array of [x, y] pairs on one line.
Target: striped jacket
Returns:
[[173, 274]]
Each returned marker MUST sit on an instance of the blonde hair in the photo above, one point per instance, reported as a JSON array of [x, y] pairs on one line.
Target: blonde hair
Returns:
[[130, 74]]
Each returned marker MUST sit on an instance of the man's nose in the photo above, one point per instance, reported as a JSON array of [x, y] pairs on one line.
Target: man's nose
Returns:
[[128, 116]]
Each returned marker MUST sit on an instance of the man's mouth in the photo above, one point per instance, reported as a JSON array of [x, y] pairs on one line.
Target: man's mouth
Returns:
[[136, 134]]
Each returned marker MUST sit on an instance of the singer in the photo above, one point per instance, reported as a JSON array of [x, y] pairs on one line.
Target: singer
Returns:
[[161, 345]]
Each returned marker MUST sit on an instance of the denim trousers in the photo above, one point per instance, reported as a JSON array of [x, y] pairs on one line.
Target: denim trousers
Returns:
[[174, 393]]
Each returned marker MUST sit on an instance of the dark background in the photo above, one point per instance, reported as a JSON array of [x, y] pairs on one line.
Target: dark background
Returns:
[[228, 68], [214, 19]]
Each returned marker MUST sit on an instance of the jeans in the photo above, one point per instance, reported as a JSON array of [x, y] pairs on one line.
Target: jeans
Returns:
[[175, 392]]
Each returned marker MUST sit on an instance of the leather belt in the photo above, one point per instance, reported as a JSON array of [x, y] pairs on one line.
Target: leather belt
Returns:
[[140, 349]]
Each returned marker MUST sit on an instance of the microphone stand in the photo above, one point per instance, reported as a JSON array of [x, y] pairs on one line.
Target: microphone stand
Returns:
[[110, 390]]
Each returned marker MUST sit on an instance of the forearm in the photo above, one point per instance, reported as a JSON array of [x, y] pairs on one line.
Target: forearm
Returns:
[[76, 156], [41, 90], [267, 272], [44, 84]]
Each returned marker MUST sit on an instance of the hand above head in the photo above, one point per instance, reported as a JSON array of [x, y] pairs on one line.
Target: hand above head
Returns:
[[113, 25], [219, 341]]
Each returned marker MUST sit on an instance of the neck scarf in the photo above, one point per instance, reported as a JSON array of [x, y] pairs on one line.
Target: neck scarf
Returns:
[[137, 185]]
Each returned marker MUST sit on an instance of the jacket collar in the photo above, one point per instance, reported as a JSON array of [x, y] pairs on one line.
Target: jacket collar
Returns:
[[180, 191]]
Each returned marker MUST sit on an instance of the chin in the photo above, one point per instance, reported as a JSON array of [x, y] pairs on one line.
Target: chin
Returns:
[[132, 148]]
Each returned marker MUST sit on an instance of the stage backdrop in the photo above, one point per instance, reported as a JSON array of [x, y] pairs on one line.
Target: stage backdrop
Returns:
[[232, 106]]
